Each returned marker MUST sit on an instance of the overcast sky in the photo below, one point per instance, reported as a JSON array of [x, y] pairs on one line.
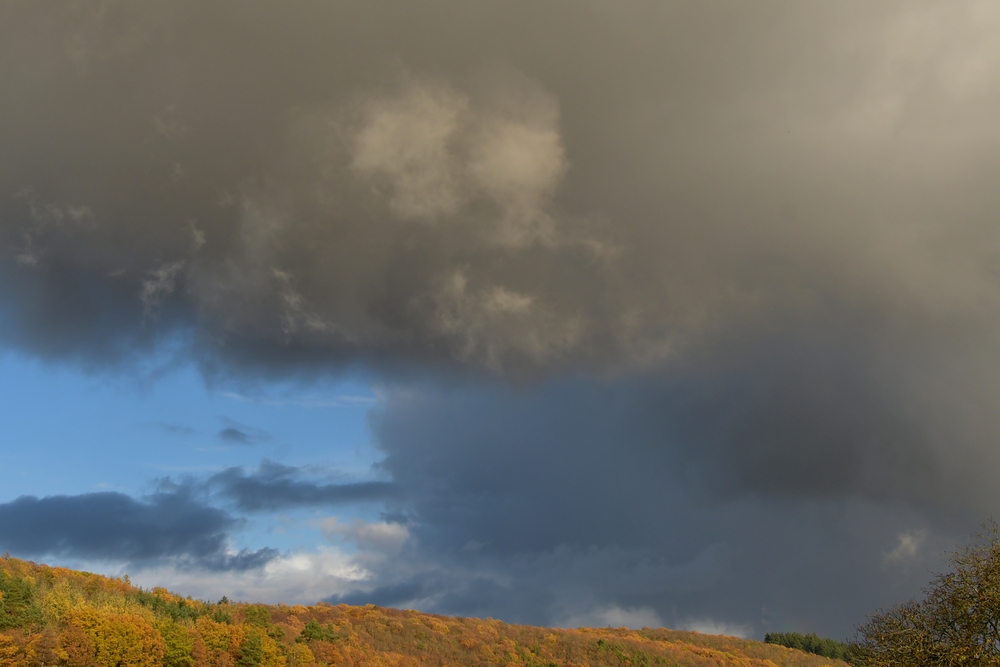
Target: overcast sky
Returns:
[[570, 312]]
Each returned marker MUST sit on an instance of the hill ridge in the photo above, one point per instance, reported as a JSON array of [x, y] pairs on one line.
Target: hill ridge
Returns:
[[58, 617]]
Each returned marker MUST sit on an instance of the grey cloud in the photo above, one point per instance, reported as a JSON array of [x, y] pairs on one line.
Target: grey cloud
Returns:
[[666, 177], [244, 559], [116, 527], [573, 498], [396, 595], [739, 261], [274, 487]]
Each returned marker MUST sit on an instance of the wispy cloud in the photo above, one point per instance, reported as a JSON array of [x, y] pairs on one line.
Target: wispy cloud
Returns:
[[339, 401], [708, 626], [273, 486], [233, 432], [615, 617], [181, 430]]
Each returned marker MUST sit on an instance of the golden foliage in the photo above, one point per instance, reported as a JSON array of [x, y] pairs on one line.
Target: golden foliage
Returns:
[[59, 600], [8, 651], [117, 639], [299, 655]]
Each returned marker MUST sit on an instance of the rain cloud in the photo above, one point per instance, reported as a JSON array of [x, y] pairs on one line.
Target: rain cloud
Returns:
[[678, 309]]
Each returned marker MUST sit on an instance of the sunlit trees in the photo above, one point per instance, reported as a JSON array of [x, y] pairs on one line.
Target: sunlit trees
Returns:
[[115, 640], [219, 643], [299, 655], [957, 623], [63, 618], [178, 644], [8, 651]]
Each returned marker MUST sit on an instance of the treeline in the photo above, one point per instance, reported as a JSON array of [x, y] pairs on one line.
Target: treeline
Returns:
[[811, 643], [55, 617]]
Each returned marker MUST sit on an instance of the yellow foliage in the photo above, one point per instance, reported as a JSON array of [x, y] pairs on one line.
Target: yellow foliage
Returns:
[[8, 651], [272, 655], [119, 639], [59, 600], [116, 603], [299, 655], [219, 636]]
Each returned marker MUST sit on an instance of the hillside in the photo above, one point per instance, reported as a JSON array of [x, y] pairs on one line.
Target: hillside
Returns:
[[58, 617]]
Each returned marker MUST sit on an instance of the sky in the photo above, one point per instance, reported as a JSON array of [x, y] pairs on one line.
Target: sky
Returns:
[[574, 312]]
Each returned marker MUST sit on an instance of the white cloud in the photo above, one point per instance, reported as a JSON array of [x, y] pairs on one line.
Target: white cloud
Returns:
[[294, 578], [708, 626], [378, 536], [406, 144], [615, 616], [430, 151], [908, 544]]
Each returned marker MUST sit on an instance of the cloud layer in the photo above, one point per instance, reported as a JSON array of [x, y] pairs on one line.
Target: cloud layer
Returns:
[[678, 311], [475, 201]]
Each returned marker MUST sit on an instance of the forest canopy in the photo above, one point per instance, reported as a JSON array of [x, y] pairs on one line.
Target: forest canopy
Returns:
[[55, 617]]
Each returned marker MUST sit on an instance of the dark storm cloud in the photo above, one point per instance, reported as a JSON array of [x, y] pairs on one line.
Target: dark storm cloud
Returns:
[[282, 186], [113, 526], [740, 261], [578, 503], [244, 559], [397, 595], [274, 487]]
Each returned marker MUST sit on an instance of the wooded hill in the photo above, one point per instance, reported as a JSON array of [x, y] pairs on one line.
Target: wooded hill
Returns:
[[55, 617]]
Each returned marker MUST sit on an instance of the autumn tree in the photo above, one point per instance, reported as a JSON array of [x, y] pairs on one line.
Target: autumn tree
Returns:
[[219, 642], [43, 649], [8, 651], [77, 646], [299, 655], [178, 645], [957, 623], [115, 640]]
